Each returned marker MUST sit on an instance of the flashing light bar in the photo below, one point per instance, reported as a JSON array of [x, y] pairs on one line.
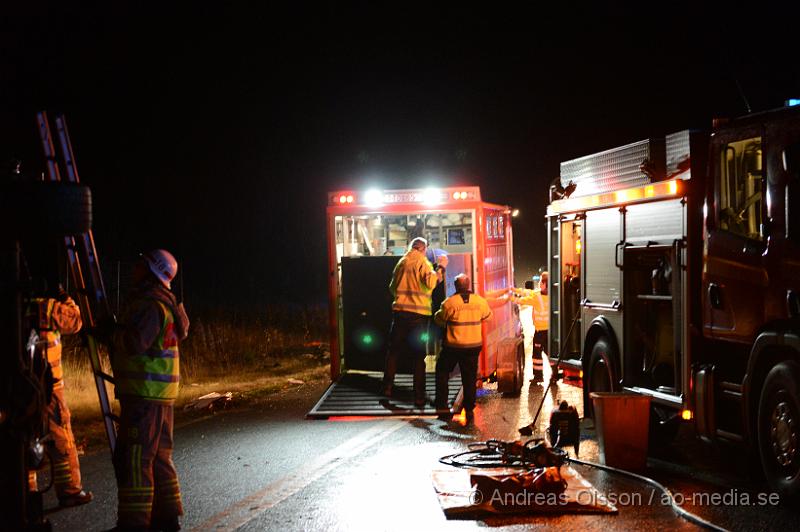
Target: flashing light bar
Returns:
[[427, 196], [663, 189], [791, 102]]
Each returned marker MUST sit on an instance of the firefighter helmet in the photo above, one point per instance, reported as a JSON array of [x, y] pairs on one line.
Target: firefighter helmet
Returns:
[[162, 264]]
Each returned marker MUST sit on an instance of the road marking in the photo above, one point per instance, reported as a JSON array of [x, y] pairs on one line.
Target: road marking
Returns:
[[242, 512]]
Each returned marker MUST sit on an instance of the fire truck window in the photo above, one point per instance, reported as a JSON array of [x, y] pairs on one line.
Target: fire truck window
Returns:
[[791, 164], [741, 188]]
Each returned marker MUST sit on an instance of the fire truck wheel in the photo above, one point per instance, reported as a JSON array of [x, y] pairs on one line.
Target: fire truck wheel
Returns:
[[44, 207], [600, 374], [779, 429]]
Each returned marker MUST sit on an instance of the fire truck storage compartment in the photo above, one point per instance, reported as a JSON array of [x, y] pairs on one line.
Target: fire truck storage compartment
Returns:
[[570, 285], [651, 291]]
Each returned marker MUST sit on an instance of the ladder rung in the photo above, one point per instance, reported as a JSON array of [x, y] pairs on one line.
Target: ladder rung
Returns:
[[105, 376]]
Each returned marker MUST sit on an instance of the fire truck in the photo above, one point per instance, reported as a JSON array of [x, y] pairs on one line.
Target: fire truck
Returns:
[[679, 260], [369, 231]]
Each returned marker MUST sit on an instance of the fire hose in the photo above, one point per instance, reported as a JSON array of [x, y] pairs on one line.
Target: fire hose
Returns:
[[533, 453]]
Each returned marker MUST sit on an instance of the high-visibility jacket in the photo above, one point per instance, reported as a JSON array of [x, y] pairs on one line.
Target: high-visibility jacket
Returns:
[[413, 281], [541, 307], [52, 318], [153, 373], [462, 315]]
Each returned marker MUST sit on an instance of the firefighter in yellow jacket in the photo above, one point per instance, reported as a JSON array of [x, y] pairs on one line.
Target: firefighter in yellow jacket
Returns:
[[56, 317], [462, 315], [413, 281], [540, 302], [146, 375]]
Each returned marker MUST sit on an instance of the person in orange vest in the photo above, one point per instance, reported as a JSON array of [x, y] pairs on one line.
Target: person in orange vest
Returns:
[[539, 300], [413, 281], [461, 314], [57, 316], [146, 375]]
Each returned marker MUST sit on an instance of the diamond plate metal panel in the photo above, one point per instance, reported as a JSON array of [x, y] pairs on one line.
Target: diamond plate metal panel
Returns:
[[615, 169]]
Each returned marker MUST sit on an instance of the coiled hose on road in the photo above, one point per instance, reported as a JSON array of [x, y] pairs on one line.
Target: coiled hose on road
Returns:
[[493, 453]]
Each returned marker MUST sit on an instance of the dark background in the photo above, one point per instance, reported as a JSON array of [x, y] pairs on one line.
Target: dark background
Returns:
[[215, 132]]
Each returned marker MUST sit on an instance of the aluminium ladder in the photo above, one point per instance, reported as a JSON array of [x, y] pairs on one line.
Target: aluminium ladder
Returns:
[[84, 269]]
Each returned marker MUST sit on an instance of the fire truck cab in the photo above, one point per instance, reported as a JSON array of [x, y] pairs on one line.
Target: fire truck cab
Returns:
[[368, 233], [679, 257]]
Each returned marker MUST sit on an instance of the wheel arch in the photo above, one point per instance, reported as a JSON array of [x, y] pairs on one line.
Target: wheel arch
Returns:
[[600, 326], [770, 348]]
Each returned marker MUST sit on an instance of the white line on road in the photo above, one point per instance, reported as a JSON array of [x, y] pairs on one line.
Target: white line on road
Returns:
[[242, 512]]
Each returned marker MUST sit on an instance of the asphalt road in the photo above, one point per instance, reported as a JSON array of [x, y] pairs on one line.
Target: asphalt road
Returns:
[[268, 468]]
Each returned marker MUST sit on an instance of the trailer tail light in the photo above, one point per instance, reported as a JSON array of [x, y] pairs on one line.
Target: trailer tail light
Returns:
[[687, 415], [428, 197]]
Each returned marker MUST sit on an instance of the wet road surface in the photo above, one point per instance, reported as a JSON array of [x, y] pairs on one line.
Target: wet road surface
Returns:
[[268, 468]]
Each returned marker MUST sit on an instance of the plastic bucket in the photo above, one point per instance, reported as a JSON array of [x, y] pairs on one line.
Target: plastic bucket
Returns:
[[622, 421]]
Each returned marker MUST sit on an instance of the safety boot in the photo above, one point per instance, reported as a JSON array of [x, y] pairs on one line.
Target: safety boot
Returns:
[[75, 499]]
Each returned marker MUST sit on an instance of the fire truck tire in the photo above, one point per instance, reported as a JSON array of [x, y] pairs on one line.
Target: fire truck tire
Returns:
[[44, 207], [779, 429], [600, 374]]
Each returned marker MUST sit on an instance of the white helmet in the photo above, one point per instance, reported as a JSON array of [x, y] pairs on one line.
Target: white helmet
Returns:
[[162, 264]]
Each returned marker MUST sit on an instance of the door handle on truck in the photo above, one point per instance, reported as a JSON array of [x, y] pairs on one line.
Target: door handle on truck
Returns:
[[715, 296], [618, 263]]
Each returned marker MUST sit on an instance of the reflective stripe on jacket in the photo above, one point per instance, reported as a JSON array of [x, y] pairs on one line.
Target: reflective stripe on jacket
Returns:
[[413, 280], [462, 315], [153, 374], [52, 319]]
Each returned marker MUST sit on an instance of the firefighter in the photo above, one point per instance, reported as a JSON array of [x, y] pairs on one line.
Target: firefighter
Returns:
[[57, 316], [461, 314], [146, 374], [541, 321], [526, 318], [540, 303], [413, 281]]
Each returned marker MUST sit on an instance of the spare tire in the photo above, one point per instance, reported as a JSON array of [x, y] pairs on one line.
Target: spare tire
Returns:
[[31, 208]]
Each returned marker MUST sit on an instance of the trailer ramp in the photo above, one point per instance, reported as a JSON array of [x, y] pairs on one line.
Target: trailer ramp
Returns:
[[358, 393]]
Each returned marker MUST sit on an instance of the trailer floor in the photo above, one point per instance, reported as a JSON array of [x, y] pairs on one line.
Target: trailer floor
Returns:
[[359, 393]]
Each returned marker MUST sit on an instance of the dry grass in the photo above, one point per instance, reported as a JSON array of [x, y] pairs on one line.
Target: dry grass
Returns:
[[249, 355]]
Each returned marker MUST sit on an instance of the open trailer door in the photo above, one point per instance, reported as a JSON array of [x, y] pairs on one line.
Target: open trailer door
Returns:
[[367, 235]]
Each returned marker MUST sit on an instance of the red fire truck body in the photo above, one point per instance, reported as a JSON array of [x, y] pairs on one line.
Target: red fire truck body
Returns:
[[679, 259]]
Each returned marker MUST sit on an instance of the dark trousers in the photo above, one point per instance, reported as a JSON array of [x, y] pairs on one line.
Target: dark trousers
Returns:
[[407, 338], [147, 482], [467, 360]]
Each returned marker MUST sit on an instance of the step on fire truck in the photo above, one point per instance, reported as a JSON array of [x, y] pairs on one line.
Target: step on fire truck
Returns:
[[681, 259], [368, 233]]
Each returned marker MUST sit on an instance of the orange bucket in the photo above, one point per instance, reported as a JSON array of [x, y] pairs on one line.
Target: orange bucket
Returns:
[[622, 421]]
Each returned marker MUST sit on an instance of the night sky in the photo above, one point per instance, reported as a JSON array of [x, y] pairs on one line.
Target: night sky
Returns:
[[215, 132]]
